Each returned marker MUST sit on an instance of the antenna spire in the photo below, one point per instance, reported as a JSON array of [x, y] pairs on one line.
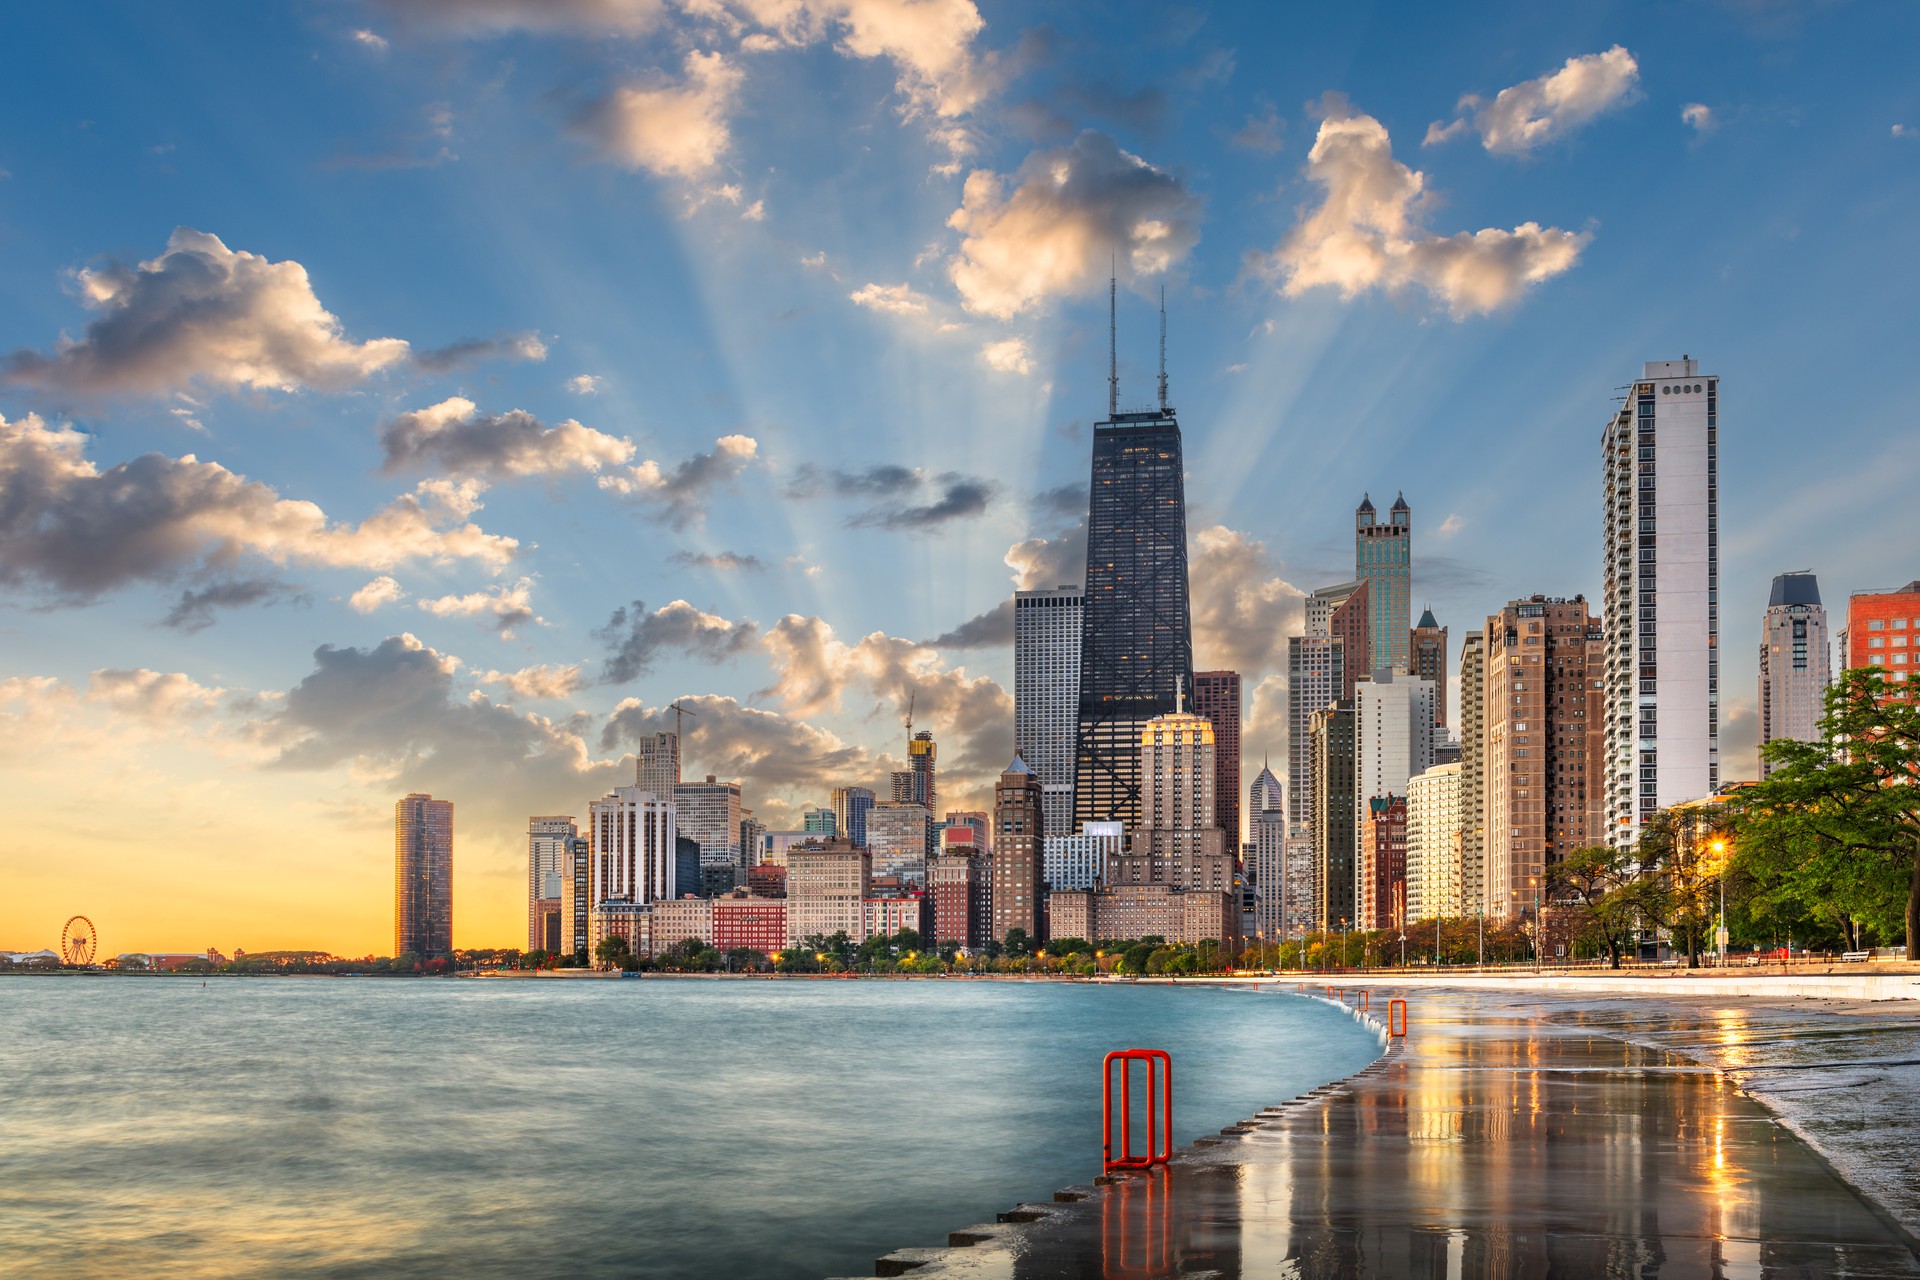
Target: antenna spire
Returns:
[[1163, 348], [1113, 339]]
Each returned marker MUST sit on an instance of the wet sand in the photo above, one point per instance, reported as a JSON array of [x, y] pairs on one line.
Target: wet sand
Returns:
[[1512, 1136]]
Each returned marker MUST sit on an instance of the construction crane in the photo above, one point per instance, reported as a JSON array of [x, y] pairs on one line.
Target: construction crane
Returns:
[[678, 712]]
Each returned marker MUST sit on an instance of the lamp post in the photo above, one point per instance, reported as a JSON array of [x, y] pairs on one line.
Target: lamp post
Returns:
[[1536, 922], [1403, 949]]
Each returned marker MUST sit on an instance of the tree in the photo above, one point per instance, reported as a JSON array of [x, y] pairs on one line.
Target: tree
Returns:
[[1601, 881], [611, 951], [1018, 942], [1837, 822]]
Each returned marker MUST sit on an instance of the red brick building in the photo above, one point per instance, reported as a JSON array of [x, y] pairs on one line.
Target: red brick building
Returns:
[[1383, 864], [754, 922], [1883, 632]]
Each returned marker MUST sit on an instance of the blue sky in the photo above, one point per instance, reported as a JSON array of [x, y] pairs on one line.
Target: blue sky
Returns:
[[822, 285]]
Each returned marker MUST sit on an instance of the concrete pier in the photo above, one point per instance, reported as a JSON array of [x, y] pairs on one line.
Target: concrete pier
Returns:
[[1492, 1141]]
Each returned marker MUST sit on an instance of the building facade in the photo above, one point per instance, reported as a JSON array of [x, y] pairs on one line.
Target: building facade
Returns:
[[742, 920], [850, 808], [1795, 662], [1882, 627], [1216, 695], [1435, 885], [1393, 730], [898, 833], [710, 812], [1019, 852], [828, 882], [1544, 745], [634, 848], [1136, 643], [423, 876], [549, 862], [1383, 559], [1427, 659], [1473, 773], [957, 882], [1661, 583], [1335, 841], [1383, 864], [1046, 692], [656, 764], [1080, 861]]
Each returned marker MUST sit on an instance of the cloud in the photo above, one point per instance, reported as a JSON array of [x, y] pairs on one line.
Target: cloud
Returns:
[[1069, 209], [504, 608], [678, 497], [893, 299], [455, 438], [971, 716], [929, 42], [203, 313], [1265, 134], [78, 532], [1063, 500], [1243, 610], [513, 346], [585, 384], [635, 639], [1531, 114], [193, 611], [1009, 355], [152, 695], [1700, 116], [544, 681], [1905, 131], [723, 561], [880, 480], [956, 497], [381, 591], [904, 499], [369, 40], [495, 17], [1453, 524], [990, 630], [669, 129], [1366, 233], [1042, 563]]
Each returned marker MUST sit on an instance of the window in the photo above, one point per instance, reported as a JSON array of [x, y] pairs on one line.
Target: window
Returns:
[[1877, 624], [1877, 642]]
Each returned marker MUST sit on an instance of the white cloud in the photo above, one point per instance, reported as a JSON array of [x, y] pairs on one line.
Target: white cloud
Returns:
[[1366, 233], [152, 695], [1905, 131], [755, 212], [78, 531], [383, 590], [1700, 116], [1536, 112], [503, 607], [815, 261], [455, 438], [930, 42], [204, 313], [1453, 524], [492, 17], [893, 299], [1069, 210], [669, 129], [1009, 355], [544, 681], [679, 496], [370, 40], [585, 384]]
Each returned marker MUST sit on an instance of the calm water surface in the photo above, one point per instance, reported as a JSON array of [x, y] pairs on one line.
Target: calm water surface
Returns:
[[360, 1127]]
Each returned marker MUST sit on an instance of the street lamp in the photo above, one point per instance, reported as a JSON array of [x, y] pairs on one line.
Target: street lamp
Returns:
[[1719, 847], [1403, 949]]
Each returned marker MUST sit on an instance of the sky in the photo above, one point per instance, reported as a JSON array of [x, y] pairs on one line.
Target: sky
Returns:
[[421, 395]]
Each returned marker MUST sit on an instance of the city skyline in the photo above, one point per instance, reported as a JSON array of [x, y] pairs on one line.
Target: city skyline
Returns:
[[673, 425]]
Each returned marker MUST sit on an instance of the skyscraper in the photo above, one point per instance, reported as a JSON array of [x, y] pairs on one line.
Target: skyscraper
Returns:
[[1179, 841], [819, 821], [1216, 695], [423, 876], [710, 812], [1473, 773], [1046, 692], [634, 848], [549, 862], [1321, 667], [1019, 852], [1393, 735], [1383, 559], [1275, 893], [1795, 662], [1332, 750], [850, 807], [1543, 745], [1137, 638], [1265, 793], [656, 765], [1433, 844], [1661, 581], [1427, 658], [576, 897], [1383, 864], [898, 835]]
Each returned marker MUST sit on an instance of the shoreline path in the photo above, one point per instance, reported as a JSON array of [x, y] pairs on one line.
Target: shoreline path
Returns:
[[1507, 1135]]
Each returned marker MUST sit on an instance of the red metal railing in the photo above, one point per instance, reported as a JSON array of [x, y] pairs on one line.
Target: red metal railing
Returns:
[[1159, 1148], [1396, 1017]]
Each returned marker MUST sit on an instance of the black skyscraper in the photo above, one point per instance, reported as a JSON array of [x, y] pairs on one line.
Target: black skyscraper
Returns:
[[1137, 637]]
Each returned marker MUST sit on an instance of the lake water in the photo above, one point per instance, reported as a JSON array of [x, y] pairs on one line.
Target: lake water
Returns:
[[361, 1127]]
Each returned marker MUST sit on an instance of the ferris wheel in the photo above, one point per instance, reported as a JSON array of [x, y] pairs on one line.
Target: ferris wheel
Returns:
[[79, 942]]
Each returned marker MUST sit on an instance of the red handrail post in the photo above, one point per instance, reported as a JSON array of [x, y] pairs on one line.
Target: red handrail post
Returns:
[[1159, 1147], [1396, 1018]]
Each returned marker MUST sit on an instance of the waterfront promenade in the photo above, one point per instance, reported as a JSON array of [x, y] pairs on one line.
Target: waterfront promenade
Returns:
[[1505, 1136]]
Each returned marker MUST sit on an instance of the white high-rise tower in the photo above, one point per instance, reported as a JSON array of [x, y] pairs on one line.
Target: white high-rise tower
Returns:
[[1796, 662], [1046, 694], [1661, 594]]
